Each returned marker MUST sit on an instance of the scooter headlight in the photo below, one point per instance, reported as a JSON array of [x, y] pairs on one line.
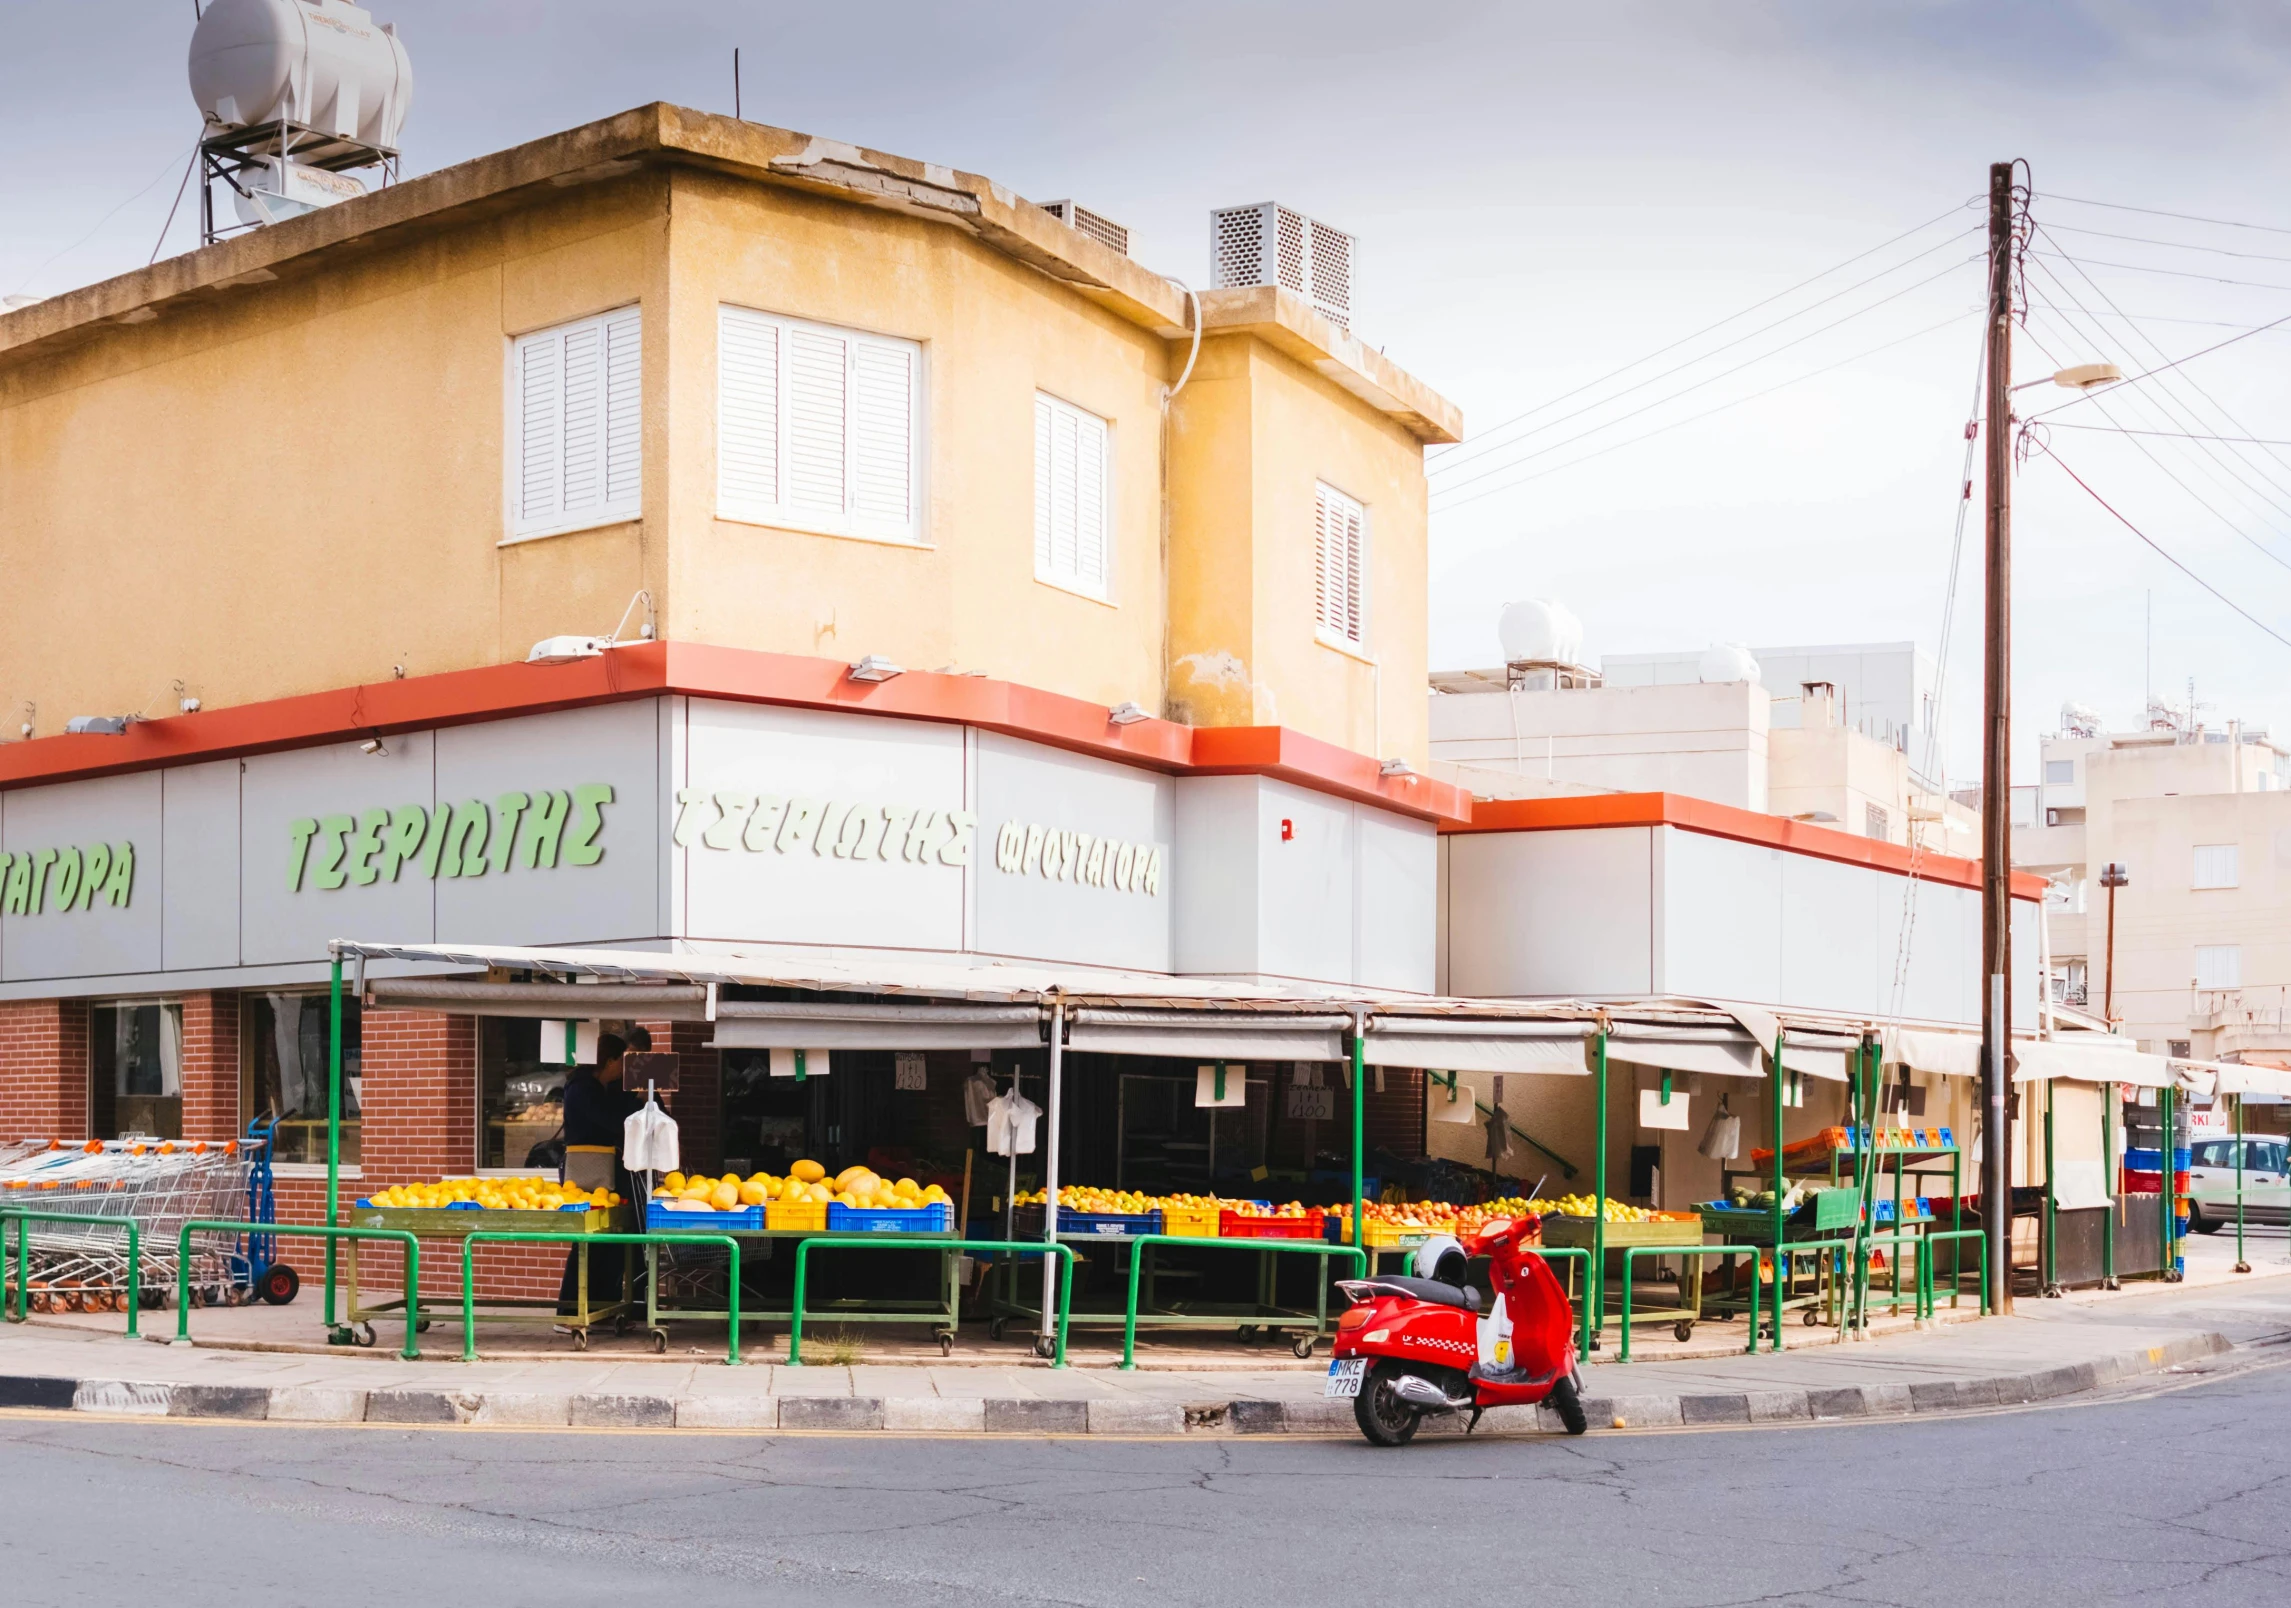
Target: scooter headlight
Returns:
[[1375, 1337]]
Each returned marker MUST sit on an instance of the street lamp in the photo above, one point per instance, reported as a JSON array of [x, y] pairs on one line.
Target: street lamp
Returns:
[[2082, 377], [2112, 876]]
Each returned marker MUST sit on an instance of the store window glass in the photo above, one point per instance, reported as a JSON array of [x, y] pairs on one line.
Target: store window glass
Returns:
[[283, 1058], [520, 1100], [135, 1071]]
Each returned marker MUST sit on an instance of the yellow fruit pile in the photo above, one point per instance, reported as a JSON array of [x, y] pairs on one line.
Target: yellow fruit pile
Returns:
[[806, 1181], [1617, 1212], [1085, 1198], [1251, 1208], [495, 1194]]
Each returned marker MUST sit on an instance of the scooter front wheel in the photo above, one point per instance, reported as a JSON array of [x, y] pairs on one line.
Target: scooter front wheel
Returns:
[[1567, 1401], [1383, 1417]]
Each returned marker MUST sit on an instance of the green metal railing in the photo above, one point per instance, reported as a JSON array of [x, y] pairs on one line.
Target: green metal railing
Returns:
[[1320, 1248], [1570, 1253], [1979, 1237], [515, 1236], [1921, 1302], [1631, 1255], [330, 1236], [903, 1242], [25, 1219]]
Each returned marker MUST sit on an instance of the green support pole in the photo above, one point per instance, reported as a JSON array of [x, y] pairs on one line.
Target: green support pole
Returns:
[[333, 1130], [1781, 1256], [2242, 1263], [1595, 1285], [2164, 1223], [1359, 1123], [2051, 1205], [2115, 1179]]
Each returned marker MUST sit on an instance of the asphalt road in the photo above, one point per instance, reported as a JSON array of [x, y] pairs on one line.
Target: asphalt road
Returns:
[[2179, 1494]]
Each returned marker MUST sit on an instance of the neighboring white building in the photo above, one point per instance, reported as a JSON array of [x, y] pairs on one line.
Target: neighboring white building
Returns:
[[2199, 819], [1833, 748]]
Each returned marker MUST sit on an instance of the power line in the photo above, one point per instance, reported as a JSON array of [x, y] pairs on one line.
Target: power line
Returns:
[[1745, 312], [2175, 435], [2172, 273], [1712, 379], [1486, 444], [2149, 318], [2160, 551], [2157, 347], [1665, 429], [2184, 217], [99, 223], [2175, 245], [2163, 368]]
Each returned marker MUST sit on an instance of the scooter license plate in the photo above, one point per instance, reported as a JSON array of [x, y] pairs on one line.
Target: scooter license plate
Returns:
[[1344, 1376]]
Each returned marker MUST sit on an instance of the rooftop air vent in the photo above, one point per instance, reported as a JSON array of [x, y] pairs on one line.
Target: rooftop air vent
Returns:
[[1269, 244], [1105, 231]]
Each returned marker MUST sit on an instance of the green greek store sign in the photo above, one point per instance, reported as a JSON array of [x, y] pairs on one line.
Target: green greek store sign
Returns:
[[535, 831], [48, 881]]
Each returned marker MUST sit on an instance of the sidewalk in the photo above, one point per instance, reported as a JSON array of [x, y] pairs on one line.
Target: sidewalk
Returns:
[[2047, 1349]]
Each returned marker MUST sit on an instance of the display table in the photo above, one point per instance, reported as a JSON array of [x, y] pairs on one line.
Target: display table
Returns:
[[456, 1225], [1682, 1228], [938, 1312]]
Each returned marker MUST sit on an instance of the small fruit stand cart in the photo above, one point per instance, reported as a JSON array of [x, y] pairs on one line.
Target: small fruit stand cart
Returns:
[[456, 1208]]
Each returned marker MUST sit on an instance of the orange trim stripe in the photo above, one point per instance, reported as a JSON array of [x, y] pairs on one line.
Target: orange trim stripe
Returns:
[[1726, 821], [650, 669]]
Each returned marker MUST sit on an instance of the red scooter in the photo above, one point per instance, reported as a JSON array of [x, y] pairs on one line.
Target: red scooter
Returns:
[[1410, 1346]]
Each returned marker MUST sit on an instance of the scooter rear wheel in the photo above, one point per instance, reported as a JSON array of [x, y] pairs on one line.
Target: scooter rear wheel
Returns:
[[1567, 1401], [1383, 1417]]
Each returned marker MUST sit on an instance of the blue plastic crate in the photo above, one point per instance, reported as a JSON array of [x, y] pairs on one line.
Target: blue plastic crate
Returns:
[[1077, 1224], [660, 1219], [2140, 1159], [935, 1218]]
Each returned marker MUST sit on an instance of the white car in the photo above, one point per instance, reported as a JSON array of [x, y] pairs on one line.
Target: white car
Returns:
[[2211, 1183]]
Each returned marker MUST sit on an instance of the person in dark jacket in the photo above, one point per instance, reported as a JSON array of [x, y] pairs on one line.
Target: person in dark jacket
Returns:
[[596, 1106]]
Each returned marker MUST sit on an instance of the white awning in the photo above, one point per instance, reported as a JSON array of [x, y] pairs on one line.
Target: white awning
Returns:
[[454, 996], [1723, 1051], [1814, 1062], [1950, 1055], [2089, 1058], [801, 1025], [2240, 1077], [1461, 1044], [1208, 1035]]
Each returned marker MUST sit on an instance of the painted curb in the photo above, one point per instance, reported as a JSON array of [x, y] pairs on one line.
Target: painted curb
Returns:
[[911, 1415]]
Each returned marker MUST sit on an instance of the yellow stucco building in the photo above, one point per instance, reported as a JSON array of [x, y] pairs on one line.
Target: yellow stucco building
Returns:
[[811, 399]]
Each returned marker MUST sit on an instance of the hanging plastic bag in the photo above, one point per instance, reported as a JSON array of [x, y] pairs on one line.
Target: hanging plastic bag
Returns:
[[1722, 1139]]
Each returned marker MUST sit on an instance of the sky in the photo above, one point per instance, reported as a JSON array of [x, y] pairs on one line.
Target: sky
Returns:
[[1545, 194]]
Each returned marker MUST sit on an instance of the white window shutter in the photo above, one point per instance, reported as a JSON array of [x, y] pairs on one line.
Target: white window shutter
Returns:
[[747, 413], [883, 418], [539, 367], [1340, 562], [577, 422], [623, 423], [818, 428], [818, 422], [1045, 496], [1070, 479]]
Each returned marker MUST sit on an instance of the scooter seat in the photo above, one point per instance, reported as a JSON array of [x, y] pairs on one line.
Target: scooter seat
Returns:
[[1432, 1290]]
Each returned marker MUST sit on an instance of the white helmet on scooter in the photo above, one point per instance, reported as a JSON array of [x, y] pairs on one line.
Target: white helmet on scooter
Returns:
[[1441, 1257]]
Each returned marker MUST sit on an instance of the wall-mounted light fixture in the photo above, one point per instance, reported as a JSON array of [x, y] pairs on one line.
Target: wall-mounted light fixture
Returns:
[[99, 725], [874, 667], [373, 745], [1127, 713], [571, 649], [1397, 768]]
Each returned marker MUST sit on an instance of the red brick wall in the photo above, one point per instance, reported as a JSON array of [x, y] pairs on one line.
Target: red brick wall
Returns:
[[698, 1104], [43, 1069], [211, 1066]]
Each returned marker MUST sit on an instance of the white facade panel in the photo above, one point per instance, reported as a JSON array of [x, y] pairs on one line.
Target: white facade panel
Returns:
[[200, 831], [798, 826], [1396, 913], [1544, 913], [1722, 917], [1306, 844], [1216, 913], [588, 779], [55, 919], [1076, 857], [300, 814]]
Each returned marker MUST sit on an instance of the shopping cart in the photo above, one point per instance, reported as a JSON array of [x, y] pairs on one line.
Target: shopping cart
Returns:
[[159, 1185]]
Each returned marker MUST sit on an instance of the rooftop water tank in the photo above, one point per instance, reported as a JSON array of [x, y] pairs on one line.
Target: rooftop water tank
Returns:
[[1726, 662], [324, 64], [1539, 631]]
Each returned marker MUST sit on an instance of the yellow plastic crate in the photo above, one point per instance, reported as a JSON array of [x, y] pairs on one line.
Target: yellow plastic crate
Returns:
[[1193, 1222], [809, 1215]]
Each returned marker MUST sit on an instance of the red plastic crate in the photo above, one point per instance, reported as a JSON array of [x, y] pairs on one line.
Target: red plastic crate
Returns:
[[1239, 1225]]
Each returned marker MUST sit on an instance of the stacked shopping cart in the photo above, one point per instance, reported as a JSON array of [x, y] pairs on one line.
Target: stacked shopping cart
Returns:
[[159, 1185]]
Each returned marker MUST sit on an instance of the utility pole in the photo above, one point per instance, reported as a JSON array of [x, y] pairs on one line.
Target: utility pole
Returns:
[[1996, 758], [2112, 876]]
